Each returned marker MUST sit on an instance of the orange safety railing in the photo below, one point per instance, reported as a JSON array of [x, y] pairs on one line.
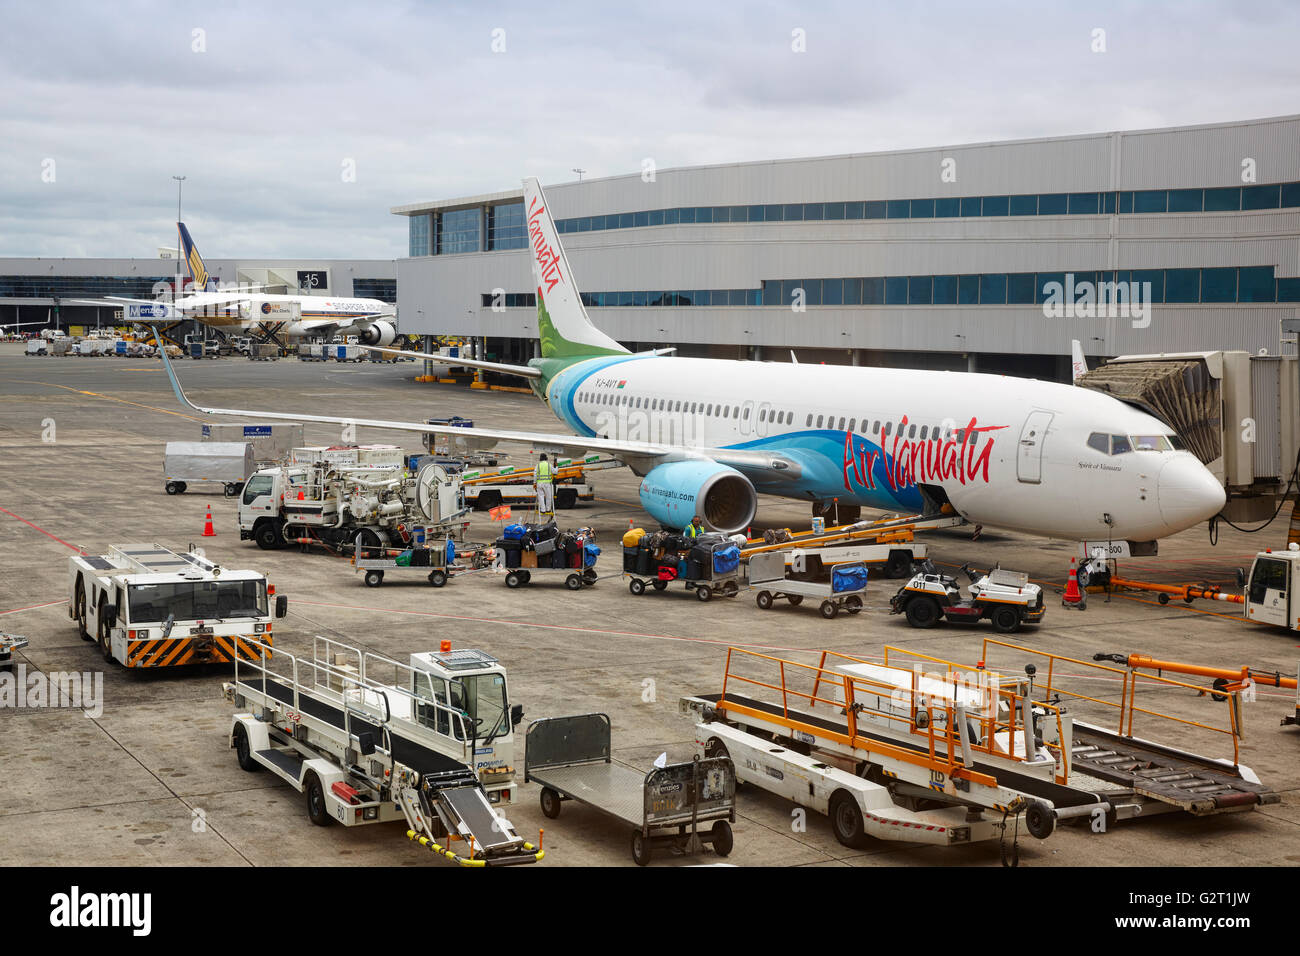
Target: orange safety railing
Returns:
[[909, 708], [1049, 686]]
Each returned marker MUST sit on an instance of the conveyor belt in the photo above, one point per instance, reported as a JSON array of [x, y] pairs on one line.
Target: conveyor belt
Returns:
[[1197, 785], [470, 805]]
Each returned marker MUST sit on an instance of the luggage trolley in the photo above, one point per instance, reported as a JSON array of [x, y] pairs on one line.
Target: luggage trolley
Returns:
[[714, 573], [433, 557], [844, 591], [570, 758]]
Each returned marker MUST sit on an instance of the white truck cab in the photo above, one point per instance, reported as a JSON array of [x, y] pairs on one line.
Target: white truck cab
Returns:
[[1271, 588]]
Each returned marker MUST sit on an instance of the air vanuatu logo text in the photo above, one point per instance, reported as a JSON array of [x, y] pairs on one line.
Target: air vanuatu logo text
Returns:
[[930, 460], [548, 260]]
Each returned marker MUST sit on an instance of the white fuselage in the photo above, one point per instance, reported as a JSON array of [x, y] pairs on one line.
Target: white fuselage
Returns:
[[1005, 451]]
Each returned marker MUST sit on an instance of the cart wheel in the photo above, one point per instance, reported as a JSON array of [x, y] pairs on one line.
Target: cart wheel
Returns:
[[1039, 820], [923, 612], [828, 609], [723, 839], [853, 604], [173, 487], [573, 582], [637, 586], [764, 600], [704, 594], [437, 577], [1006, 620], [640, 848], [526, 577], [730, 589], [374, 579], [1163, 598], [242, 753], [513, 580], [316, 811], [659, 585], [794, 599], [550, 803], [589, 576]]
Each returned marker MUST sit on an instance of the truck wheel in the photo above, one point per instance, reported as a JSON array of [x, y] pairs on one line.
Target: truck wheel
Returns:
[[846, 821], [374, 579], [715, 748], [828, 609], [923, 612], [79, 609], [173, 487], [1039, 821], [763, 600], [899, 564], [231, 489], [637, 586], [316, 810], [853, 604], [243, 752], [723, 839], [437, 577], [1006, 620], [573, 582], [267, 535], [550, 803], [513, 580], [103, 632], [641, 852], [566, 498], [487, 500]]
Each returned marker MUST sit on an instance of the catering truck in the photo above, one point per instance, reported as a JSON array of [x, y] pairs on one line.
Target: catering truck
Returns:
[[149, 606]]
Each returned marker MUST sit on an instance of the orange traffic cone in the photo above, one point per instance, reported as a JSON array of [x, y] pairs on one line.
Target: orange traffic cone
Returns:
[[208, 530], [1073, 597]]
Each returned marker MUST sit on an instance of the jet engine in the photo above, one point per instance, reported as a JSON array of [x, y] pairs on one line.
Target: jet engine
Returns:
[[676, 491], [378, 333]]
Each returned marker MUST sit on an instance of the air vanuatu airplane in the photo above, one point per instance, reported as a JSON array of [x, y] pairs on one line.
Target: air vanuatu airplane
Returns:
[[707, 436], [242, 309]]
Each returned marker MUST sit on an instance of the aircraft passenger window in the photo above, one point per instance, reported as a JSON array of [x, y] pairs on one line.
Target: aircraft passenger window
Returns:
[[708, 409], [762, 414], [746, 415], [852, 422], [875, 427], [961, 435], [735, 412], [974, 439], [889, 426], [1099, 442], [1119, 444], [819, 421], [808, 424], [912, 432], [924, 429]]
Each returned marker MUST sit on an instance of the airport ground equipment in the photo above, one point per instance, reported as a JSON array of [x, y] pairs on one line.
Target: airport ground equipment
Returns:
[[509, 486], [437, 558], [264, 351], [708, 564], [667, 806], [311, 352], [212, 462], [887, 543], [1005, 598], [148, 606], [36, 347], [541, 548], [273, 442], [843, 592], [370, 740], [332, 495], [919, 749], [1225, 678], [8, 644]]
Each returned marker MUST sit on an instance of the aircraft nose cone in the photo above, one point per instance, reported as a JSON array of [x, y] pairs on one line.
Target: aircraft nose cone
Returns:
[[1188, 493]]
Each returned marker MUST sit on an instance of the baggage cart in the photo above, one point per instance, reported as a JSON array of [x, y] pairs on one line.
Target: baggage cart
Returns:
[[427, 555], [570, 758], [226, 463], [767, 576], [521, 558], [720, 578]]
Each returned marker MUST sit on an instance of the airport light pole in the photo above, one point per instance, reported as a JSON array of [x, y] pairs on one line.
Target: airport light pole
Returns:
[[176, 289], [579, 172]]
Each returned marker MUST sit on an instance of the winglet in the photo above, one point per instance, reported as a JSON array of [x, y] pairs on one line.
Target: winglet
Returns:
[[1078, 364], [171, 372]]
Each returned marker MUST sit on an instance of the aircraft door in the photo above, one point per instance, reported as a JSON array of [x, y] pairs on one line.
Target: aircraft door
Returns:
[[764, 419], [746, 422], [1029, 458]]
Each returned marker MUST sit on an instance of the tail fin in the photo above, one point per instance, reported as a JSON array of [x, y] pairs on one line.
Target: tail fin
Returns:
[[1078, 364], [562, 322], [194, 262]]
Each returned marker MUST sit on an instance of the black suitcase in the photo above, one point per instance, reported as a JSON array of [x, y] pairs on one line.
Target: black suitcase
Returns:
[[629, 558], [513, 558], [645, 560]]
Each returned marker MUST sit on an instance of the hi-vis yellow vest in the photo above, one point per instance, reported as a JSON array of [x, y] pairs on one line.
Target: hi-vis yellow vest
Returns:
[[544, 476]]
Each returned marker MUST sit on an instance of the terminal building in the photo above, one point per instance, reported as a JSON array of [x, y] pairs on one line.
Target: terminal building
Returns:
[[984, 257], [40, 293]]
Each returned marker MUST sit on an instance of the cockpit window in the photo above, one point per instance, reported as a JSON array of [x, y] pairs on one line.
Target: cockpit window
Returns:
[[1100, 442], [1119, 444], [1150, 442]]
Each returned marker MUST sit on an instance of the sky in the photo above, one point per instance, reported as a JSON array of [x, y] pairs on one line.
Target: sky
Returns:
[[297, 126]]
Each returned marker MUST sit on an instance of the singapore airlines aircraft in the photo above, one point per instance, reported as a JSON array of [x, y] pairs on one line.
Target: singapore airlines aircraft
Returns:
[[708, 435], [243, 309]]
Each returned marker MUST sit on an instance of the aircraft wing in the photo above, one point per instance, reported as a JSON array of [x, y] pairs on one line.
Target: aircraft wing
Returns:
[[641, 456], [523, 371]]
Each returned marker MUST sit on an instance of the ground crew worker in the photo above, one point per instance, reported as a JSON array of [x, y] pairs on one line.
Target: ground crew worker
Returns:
[[695, 528], [545, 481]]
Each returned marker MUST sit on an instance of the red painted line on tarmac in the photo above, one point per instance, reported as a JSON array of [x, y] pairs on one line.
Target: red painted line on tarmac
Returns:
[[43, 531], [551, 627], [32, 607]]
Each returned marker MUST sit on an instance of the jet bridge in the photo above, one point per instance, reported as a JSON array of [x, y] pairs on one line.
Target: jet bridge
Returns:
[[1238, 413]]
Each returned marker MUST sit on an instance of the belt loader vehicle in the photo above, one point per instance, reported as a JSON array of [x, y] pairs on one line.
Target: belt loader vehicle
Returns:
[[1004, 597], [367, 739], [149, 606], [923, 750], [336, 496]]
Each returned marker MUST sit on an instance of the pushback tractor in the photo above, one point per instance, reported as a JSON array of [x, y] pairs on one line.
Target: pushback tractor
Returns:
[[367, 739]]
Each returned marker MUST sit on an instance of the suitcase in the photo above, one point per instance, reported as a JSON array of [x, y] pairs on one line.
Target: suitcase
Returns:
[[559, 559], [512, 558], [645, 562], [528, 559], [544, 547], [629, 559]]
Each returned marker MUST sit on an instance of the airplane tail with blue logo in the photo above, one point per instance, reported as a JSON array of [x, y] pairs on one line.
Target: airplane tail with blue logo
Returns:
[[194, 262]]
